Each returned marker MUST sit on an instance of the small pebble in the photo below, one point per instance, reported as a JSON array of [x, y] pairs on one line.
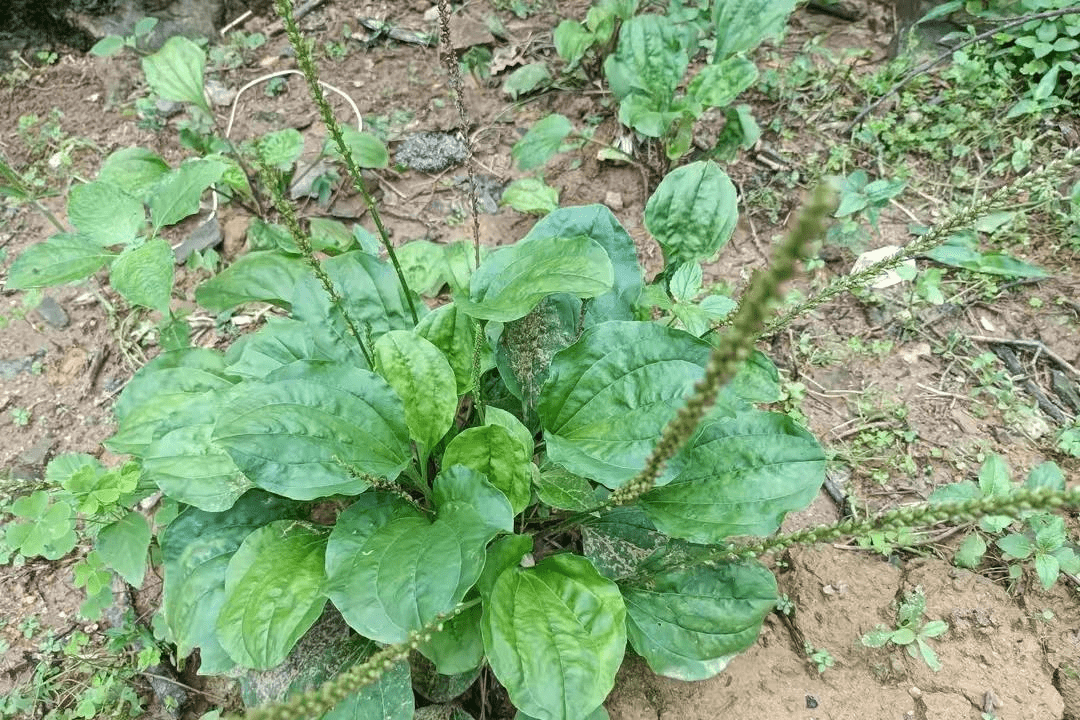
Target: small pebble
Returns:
[[915, 692]]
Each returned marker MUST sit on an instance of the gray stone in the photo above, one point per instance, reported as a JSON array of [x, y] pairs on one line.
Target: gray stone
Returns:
[[51, 312], [168, 108], [10, 368], [38, 453], [431, 152], [219, 93]]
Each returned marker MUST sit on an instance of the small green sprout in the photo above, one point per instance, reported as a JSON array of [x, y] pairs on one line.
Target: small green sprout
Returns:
[[910, 631]]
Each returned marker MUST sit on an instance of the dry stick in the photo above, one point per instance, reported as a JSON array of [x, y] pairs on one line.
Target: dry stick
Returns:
[[948, 53], [307, 65], [449, 59], [1065, 364], [935, 237]]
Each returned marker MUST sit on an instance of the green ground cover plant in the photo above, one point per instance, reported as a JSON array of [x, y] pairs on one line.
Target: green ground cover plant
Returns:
[[1036, 536], [562, 460], [911, 632]]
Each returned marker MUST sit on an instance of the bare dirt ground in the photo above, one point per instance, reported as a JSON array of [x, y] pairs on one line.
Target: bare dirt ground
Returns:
[[1012, 651]]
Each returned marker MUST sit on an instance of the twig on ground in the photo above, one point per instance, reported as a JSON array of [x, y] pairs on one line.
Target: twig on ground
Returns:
[[1013, 364], [1039, 347], [279, 26]]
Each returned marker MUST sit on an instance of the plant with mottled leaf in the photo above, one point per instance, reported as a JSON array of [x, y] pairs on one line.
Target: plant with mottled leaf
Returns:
[[910, 632], [441, 500]]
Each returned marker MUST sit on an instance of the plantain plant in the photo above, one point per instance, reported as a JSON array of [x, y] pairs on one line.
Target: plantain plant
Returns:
[[528, 477]]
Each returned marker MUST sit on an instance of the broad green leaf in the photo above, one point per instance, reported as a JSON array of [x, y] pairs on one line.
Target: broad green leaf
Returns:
[[144, 274], [560, 489], [461, 262], [176, 408], [273, 593], [1046, 475], [542, 141], [572, 40], [299, 432], [134, 170], [63, 258], [262, 235], [122, 546], [280, 149], [955, 492], [740, 476], [957, 252], [555, 635], [934, 628], [609, 395], [742, 25], [367, 150], [718, 84], [105, 214], [179, 372], [424, 265], [994, 481], [423, 379], [693, 212], [524, 347], [970, 553], [330, 235], [510, 283], [903, 636], [504, 553], [649, 60], [266, 276], [1049, 530], [371, 294], [280, 342], [619, 540], [196, 548], [506, 420], [531, 195], [456, 649], [492, 451], [391, 570], [688, 624], [645, 114], [525, 79], [453, 332], [176, 72], [599, 224], [1016, 546], [190, 468], [62, 467], [324, 652], [177, 194], [685, 283], [877, 637], [108, 45]]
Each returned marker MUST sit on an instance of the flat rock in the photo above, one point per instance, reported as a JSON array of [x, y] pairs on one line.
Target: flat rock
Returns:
[[50, 311], [431, 152]]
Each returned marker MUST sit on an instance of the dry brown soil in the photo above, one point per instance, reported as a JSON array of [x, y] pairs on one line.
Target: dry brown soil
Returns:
[[1003, 653]]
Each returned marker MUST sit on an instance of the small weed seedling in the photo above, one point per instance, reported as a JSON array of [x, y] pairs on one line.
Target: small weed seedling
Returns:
[[140, 34], [910, 631], [822, 658], [1040, 537]]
